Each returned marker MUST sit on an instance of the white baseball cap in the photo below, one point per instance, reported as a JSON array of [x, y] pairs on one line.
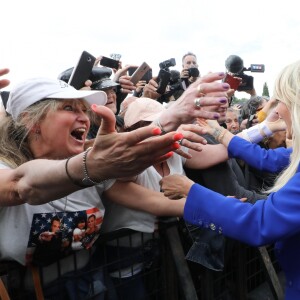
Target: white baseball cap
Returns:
[[33, 90]]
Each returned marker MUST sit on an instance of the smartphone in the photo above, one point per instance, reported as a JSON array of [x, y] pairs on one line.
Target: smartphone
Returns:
[[146, 77], [109, 62], [82, 70], [163, 79], [232, 81], [139, 73]]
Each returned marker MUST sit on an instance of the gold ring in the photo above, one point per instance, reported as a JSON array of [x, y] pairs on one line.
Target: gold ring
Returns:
[[197, 103]]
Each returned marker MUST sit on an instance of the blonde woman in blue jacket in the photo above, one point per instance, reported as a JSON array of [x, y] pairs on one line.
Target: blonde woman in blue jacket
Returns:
[[275, 220]]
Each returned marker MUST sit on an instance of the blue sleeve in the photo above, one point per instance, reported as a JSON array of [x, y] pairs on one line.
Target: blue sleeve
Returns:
[[257, 224], [272, 160]]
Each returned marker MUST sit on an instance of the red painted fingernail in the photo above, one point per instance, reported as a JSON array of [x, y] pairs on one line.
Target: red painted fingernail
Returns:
[[175, 146], [169, 154], [178, 136], [156, 131]]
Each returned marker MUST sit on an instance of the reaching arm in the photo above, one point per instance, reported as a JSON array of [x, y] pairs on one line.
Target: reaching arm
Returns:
[[241, 146], [137, 197], [250, 223], [40, 181]]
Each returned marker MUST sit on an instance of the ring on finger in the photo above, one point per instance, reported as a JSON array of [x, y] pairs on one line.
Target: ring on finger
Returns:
[[197, 102], [180, 142]]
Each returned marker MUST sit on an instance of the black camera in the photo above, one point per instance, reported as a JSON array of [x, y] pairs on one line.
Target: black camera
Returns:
[[174, 86], [167, 64], [164, 75], [235, 65], [175, 83], [193, 72]]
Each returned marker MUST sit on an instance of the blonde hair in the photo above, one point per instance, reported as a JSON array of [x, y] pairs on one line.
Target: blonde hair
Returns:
[[287, 90]]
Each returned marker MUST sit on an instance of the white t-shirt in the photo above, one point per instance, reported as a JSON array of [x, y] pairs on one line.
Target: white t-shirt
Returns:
[[118, 216], [22, 227]]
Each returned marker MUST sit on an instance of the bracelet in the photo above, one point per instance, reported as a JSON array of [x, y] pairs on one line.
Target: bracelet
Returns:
[[257, 133], [87, 181], [69, 176], [157, 122]]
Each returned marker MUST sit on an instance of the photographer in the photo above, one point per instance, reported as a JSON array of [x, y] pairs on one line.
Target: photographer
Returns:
[[190, 72]]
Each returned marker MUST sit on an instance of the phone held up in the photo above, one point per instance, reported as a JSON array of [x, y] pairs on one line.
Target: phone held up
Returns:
[[82, 70], [232, 81], [140, 72], [109, 62]]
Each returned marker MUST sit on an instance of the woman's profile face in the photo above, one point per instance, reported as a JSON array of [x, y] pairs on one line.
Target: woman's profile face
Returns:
[[63, 131], [285, 114]]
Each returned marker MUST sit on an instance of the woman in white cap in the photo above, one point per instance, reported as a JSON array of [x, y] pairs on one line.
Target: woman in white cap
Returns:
[[47, 122]]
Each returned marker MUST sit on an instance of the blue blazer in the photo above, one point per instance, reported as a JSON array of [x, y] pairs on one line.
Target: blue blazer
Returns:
[[274, 220]]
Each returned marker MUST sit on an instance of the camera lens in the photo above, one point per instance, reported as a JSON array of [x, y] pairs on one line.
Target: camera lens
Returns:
[[193, 72]]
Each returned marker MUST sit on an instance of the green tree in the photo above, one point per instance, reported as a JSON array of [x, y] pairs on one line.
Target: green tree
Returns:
[[265, 90]]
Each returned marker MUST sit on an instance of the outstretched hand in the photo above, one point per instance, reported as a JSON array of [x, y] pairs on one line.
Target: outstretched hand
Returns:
[[192, 138], [208, 125], [176, 186], [128, 153], [206, 91]]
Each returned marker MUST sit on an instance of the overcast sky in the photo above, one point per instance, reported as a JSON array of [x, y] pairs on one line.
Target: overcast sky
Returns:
[[43, 38]]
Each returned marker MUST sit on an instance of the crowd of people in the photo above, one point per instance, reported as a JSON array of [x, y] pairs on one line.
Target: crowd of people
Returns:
[[66, 154]]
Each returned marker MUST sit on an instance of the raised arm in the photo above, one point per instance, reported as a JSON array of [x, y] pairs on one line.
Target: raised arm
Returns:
[[191, 105]]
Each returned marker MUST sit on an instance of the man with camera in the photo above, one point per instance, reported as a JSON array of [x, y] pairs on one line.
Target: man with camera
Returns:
[[190, 72]]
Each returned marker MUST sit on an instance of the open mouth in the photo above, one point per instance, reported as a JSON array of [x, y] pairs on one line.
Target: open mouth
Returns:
[[78, 133]]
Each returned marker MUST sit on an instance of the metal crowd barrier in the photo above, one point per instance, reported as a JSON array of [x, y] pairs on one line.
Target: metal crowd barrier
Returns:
[[167, 274]]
